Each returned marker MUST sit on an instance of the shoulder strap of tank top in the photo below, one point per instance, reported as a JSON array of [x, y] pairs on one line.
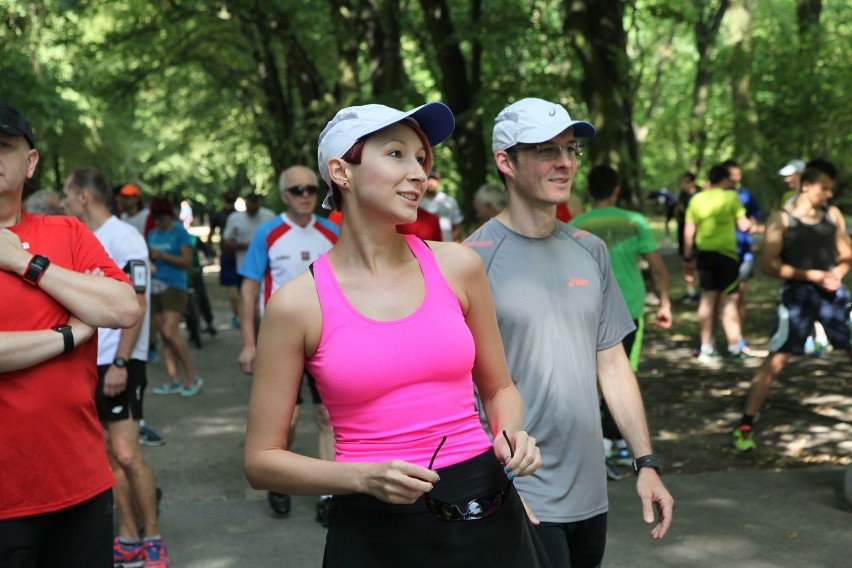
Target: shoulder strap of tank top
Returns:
[[424, 256]]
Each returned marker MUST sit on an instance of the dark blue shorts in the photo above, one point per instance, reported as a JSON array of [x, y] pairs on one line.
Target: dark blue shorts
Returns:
[[228, 271], [803, 303]]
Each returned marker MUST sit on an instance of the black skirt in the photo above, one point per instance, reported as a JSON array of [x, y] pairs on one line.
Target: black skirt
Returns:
[[366, 532]]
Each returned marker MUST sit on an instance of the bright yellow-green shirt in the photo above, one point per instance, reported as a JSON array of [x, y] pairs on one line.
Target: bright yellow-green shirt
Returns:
[[715, 212]]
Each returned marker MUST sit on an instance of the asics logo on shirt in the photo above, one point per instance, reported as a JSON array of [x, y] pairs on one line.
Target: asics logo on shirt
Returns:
[[577, 282]]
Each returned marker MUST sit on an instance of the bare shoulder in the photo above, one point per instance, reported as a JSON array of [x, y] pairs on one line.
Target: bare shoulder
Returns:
[[836, 216], [296, 301], [457, 260]]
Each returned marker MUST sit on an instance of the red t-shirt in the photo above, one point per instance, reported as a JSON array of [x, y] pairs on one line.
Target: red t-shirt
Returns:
[[563, 213], [427, 226], [52, 452]]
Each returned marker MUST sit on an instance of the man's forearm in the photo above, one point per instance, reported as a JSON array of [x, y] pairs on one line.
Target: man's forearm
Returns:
[[249, 291], [97, 300]]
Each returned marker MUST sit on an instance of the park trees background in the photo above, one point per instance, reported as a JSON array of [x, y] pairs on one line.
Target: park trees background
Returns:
[[191, 97]]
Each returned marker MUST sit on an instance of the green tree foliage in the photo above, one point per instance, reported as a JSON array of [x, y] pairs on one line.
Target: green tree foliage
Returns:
[[193, 97]]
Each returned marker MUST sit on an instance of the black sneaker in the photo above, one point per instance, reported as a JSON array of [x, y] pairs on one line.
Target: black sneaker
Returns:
[[148, 437], [280, 502], [323, 506]]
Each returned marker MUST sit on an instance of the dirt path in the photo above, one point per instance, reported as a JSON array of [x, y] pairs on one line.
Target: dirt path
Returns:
[[692, 409]]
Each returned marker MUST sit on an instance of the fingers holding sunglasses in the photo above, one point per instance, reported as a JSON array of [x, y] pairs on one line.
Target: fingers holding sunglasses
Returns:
[[527, 457], [399, 482]]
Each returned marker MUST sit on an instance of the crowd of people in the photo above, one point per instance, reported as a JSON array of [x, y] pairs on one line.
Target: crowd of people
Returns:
[[538, 315]]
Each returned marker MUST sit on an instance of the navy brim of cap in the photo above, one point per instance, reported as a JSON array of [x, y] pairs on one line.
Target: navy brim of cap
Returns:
[[435, 119], [583, 129]]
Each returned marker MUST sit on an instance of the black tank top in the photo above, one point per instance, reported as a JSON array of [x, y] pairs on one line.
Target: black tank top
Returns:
[[810, 246]]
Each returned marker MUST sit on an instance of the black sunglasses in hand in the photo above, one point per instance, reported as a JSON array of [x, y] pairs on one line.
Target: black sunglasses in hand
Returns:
[[476, 509]]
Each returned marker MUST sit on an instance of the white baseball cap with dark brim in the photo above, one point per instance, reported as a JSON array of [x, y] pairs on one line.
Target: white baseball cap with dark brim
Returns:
[[792, 167], [351, 124], [531, 120]]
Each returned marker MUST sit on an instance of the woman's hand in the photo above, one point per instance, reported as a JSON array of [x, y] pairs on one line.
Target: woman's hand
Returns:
[[527, 457], [399, 482]]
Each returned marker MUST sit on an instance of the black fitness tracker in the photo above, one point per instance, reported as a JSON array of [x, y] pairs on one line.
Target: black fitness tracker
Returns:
[[67, 335], [35, 269], [647, 461]]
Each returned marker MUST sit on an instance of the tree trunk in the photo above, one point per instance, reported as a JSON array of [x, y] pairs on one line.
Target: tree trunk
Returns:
[[746, 142], [706, 31], [460, 90], [596, 30]]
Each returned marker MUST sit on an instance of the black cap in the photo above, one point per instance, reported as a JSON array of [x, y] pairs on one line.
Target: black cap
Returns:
[[12, 122]]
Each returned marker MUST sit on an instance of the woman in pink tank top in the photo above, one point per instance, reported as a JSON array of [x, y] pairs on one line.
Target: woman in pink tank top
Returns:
[[397, 333]]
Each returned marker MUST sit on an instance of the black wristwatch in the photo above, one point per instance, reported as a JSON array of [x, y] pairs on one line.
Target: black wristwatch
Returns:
[[120, 362], [647, 461], [67, 335], [35, 269]]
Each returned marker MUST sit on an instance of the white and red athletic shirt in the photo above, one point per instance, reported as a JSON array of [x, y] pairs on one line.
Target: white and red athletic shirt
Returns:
[[281, 250]]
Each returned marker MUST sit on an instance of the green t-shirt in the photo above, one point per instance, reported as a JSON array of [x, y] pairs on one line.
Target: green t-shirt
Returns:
[[627, 235], [715, 212]]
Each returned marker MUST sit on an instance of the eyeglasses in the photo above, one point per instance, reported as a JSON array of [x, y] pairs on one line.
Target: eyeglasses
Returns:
[[476, 509], [549, 152], [302, 190]]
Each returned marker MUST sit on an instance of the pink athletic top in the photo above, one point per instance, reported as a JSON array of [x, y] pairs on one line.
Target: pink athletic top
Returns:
[[394, 388]]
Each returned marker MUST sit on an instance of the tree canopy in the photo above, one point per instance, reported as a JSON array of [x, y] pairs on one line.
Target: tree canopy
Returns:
[[191, 98]]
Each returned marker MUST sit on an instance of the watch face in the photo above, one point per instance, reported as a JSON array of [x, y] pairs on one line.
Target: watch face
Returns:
[[120, 362]]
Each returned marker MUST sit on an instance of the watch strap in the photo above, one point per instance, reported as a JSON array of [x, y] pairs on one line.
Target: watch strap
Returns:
[[67, 336], [35, 269], [650, 460]]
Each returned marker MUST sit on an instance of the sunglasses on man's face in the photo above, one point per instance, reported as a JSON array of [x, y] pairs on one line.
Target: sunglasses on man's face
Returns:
[[302, 190], [476, 509]]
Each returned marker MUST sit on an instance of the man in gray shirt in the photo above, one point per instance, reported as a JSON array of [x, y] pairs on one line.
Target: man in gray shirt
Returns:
[[562, 318]]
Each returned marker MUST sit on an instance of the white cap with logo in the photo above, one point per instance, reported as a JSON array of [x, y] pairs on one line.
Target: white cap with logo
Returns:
[[353, 123], [532, 121], [792, 167]]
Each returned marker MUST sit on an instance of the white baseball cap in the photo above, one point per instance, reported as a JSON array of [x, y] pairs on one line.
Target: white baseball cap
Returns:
[[353, 123], [792, 167], [532, 121]]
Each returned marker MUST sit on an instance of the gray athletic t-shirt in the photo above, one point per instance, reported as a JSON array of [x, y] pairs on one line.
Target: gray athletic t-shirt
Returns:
[[557, 304]]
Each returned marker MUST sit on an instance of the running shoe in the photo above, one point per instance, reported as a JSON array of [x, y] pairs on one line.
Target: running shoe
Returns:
[[621, 456], [280, 502], [323, 507], [708, 358], [173, 387], [744, 439], [192, 389], [148, 437], [744, 354], [155, 554], [612, 473], [127, 555]]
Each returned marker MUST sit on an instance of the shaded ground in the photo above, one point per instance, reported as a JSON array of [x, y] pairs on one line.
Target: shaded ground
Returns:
[[692, 409]]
